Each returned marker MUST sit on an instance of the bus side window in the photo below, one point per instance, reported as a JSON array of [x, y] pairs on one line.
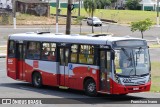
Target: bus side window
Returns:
[[86, 55], [74, 52], [48, 51], [33, 50], [51, 56], [11, 49]]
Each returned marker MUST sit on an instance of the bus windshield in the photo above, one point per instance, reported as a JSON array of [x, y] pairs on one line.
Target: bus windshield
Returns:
[[132, 61]]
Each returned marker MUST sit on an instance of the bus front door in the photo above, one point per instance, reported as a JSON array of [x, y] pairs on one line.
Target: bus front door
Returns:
[[104, 71], [63, 68], [20, 60]]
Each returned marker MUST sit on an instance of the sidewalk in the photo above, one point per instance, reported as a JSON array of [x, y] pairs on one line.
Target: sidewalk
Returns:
[[3, 51]]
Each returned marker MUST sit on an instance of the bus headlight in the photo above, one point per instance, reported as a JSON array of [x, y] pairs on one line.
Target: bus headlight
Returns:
[[149, 78]]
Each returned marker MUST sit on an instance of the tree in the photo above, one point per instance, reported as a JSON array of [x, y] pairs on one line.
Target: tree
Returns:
[[133, 4], [103, 3], [79, 21], [113, 2], [142, 25], [90, 5]]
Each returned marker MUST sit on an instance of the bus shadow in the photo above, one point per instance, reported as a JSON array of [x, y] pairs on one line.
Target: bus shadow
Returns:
[[71, 96]]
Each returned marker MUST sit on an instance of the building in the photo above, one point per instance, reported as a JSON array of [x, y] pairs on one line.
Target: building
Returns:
[[35, 7], [63, 3], [149, 5], [6, 4]]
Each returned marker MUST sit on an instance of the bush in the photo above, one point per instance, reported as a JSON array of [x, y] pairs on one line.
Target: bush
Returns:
[[133, 4]]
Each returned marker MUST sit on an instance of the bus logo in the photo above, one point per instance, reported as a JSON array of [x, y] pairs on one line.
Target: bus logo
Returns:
[[70, 66]]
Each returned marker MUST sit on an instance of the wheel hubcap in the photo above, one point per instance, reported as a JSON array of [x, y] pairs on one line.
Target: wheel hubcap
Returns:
[[37, 80], [91, 87]]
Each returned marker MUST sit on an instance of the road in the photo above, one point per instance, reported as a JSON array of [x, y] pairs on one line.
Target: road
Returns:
[[10, 88], [116, 29]]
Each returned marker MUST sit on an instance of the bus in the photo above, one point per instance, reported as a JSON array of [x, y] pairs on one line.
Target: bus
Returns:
[[93, 64]]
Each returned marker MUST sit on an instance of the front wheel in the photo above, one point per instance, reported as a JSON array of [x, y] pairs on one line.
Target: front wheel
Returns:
[[90, 87], [37, 80]]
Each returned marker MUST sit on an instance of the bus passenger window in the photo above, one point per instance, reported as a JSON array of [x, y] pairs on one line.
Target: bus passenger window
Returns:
[[33, 50], [51, 56], [48, 51], [44, 53], [86, 55], [11, 49], [74, 50]]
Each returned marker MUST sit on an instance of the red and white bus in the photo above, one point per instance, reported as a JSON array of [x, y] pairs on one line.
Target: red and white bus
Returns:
[[95, 64]]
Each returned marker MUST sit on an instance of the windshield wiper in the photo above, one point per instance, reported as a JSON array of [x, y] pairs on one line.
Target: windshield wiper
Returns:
[[129, 57], [138, 54], [130, 71]]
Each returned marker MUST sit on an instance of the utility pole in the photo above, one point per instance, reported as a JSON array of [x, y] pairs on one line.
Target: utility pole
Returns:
[[57, 13], [68, 21], [157, 12], [14, 13], [79, 8], [92, 16]]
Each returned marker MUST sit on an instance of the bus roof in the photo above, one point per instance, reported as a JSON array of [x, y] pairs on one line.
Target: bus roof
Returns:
[[50, 37]]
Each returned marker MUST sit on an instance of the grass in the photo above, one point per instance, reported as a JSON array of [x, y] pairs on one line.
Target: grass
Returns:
[[120, 16], [155, 87], [154, 46]]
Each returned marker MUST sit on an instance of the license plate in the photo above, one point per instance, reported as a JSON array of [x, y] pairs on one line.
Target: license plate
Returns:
[[136, 88]]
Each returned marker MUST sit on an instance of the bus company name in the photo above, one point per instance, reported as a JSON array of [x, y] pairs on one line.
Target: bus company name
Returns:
[[10, 61], [103, 46], [63, 44]]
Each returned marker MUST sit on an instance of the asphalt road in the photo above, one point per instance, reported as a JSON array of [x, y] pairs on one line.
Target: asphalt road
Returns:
[[10, 88], [116, 29]]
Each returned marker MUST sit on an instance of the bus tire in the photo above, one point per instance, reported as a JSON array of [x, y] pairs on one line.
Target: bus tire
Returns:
[[90, 87], [37, 80]]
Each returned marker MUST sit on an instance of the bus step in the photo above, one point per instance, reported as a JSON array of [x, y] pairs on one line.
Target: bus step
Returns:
[[102, 92], [63, 87]]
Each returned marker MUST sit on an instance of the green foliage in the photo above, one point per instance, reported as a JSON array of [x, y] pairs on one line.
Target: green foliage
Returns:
[[142, 25], [133, 4], [113, 1], [79, 19], [103, 3], [89, 6]]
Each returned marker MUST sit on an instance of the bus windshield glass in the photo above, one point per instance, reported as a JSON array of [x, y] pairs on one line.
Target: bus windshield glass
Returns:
[[132, 61]]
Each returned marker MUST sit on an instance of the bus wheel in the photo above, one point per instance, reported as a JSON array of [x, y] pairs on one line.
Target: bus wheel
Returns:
[[90, 87], [37, 80]]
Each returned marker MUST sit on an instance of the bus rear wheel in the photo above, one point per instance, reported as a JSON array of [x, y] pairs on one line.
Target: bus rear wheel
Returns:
[[37, 80], [90, 87]]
